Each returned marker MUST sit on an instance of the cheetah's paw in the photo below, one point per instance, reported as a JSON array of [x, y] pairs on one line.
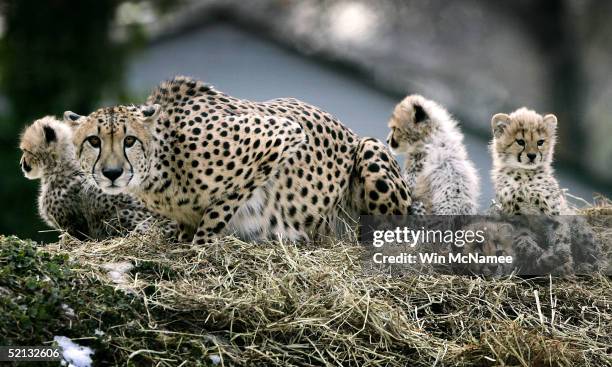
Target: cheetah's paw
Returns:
[[417, 208]]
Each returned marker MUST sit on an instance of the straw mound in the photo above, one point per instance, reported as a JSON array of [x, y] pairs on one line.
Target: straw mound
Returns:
[[284, 304]]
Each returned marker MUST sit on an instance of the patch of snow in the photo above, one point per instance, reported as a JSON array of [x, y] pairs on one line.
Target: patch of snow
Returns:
[[74, 355], [117, 271], [99, 332], [215, 359]]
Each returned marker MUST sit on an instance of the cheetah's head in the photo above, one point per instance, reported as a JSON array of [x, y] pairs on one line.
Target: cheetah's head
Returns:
[[44, 143], [497, 239], [523, 139], [413, 121], [113, 145]]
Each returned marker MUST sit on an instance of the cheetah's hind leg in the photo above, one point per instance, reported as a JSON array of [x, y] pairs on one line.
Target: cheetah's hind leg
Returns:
[[377, 185]]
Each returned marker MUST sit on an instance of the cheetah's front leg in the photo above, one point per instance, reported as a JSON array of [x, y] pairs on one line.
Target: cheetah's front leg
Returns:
[[378, 185], [185, 233], [413, 166], [217, 216]]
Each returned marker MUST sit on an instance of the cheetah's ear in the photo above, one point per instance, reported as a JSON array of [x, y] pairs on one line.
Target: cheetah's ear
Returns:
[[71, 118], [419, 114], [49, 133], [550, 120], [150, 112], [498, 123]]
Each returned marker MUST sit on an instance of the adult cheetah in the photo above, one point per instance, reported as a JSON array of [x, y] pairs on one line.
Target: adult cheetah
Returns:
[[67, 200], [218, 164]]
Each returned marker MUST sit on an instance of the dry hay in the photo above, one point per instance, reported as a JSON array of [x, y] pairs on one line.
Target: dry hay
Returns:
[[599, 216], [284, 304]]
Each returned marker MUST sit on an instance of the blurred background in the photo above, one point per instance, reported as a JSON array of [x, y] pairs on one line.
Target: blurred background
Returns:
[[355, 59]]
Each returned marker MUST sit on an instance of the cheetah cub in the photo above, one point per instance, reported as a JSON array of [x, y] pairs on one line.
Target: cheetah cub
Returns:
[[436, 165], [67, 200], [522, 150]]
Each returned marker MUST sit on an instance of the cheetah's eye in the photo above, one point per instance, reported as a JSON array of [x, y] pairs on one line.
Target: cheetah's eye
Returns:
[[540, 142], [129, 141], [94, 141], [520, 142]]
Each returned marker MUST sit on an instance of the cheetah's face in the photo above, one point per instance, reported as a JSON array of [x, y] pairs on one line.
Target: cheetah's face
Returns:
[[409, 124], [42, 144], [112, 145], [31, 165], [523, 139], [498, 241]]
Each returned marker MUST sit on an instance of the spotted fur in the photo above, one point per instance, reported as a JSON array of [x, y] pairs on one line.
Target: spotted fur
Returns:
[[522, 148], [218, 164], [67, 201], [437, 167], [499, 240]]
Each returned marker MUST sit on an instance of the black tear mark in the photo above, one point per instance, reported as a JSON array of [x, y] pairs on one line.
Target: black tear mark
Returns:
[[49, 134], [520, 154], [419, 114]]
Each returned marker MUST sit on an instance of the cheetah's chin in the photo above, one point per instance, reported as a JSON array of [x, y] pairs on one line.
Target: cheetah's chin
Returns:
[[113, 189], [400, 150], [524, 165]]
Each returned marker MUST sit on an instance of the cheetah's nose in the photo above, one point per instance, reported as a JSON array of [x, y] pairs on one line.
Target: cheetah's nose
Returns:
[[26, 167], [112, 173], [531, 156]]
